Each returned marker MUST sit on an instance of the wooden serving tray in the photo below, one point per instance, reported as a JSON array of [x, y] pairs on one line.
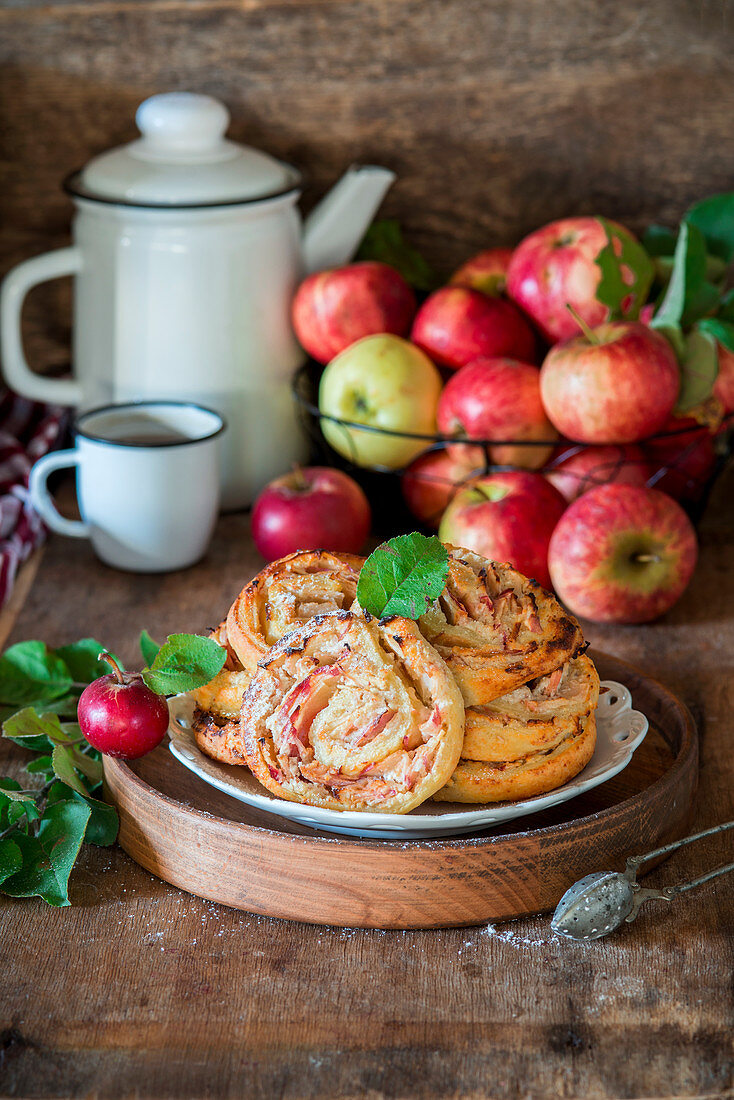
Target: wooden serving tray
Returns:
[[195, 837]]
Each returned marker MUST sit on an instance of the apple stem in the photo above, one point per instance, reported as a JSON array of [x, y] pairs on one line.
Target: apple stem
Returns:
[[300, 482], [645, 558], [588, 333], [113, 665]]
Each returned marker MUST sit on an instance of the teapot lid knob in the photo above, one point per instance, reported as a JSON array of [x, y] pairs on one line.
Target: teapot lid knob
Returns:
[[182, 122]]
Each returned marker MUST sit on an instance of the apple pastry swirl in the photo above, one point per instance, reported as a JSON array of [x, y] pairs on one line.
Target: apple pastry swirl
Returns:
[[529, 741], [496, 629], [285, 594], [350, 713]]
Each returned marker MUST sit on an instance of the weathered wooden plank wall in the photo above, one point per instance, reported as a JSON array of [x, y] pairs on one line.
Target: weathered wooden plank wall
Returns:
[[497, 115]]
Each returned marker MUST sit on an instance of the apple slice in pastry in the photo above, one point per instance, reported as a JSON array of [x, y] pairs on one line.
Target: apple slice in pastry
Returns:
[[285, 594], [216, 718], [530, 741], [495, 628], [350, 713]]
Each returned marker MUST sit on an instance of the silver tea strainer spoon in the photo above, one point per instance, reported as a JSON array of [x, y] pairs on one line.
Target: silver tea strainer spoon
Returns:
[[598, 904]]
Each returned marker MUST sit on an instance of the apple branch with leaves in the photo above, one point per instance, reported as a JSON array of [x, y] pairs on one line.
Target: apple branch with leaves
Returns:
[[42, 828]]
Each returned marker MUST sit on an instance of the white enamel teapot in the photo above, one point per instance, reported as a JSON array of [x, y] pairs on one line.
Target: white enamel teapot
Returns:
[[187, 251]]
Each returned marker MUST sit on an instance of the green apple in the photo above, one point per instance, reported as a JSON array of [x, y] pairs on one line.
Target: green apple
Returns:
[[382, 382]]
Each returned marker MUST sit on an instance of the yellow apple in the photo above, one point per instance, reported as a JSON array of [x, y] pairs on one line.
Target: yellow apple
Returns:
[[382, 382]]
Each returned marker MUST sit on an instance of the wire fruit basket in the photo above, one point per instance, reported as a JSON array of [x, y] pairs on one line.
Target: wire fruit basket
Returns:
[[685, 461]]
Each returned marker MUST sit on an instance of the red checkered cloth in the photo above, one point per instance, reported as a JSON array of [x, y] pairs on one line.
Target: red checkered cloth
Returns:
[[27, 431]]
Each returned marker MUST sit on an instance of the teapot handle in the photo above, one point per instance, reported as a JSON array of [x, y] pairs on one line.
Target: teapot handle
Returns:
[[16, 284]]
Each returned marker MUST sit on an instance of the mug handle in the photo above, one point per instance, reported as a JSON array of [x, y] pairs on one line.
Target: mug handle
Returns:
[[15, 286], [42, 500]]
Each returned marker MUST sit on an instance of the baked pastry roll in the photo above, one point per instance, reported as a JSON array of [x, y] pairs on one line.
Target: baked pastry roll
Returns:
[[216, 718], [530, 741], [285, 594], [496, 629], [350, 713]]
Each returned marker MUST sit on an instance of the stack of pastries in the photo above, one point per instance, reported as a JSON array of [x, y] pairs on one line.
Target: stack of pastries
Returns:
[[489, 697]]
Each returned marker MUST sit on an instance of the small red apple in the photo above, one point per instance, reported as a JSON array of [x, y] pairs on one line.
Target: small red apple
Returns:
[[120, 715], [554, 267], [681, 459], [487, 271], [431, 481], [498, 399], [579, 469], [507, 517], [455, 325], [616, 385], [333, 309], [311, 507], [622, 554], [724, 384]]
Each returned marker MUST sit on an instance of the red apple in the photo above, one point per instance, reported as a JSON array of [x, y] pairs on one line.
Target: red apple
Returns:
[[333, 309], [487, 271], [681, 461], [579, 469], [507, 517], [622, 554], [616, 386], [554, 267], [431, 481], [314, 507], [724, 384], [498, 399], [120, 715], [455, 325]]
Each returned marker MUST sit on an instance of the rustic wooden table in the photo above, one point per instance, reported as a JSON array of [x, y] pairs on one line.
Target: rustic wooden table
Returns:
[[139, 989]]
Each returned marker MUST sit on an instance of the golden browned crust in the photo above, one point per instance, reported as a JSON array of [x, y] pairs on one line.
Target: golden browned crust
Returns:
[[285, 594], [482, 782], [351, 714], [496, 629], [534, 717], [216, 718], [218, 737]]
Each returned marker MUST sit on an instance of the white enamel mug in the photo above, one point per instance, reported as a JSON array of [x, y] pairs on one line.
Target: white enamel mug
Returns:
[[147, 478]]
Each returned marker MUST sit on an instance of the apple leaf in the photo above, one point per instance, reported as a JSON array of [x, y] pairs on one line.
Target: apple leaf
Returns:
[[148, 647], [403, 576], [627, 273], [699, 367], [49, 856], [38, 732], [658, 240], [103, 825], [384, 242], [31, 671], [722, 331], [714, 218], [82, 659], [689, 294]]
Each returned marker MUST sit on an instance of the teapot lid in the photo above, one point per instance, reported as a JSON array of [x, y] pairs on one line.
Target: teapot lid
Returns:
[[183, 159]]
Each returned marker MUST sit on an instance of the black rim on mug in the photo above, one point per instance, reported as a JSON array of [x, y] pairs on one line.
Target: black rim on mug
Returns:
[[138, 406]]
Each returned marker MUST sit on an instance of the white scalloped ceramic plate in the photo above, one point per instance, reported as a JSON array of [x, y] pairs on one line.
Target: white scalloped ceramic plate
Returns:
[[620, 730]]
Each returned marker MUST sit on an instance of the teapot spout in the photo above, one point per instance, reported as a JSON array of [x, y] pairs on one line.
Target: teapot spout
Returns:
[[334, 229]]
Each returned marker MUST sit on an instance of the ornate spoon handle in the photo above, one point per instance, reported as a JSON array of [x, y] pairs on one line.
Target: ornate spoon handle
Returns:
[[635, 862]]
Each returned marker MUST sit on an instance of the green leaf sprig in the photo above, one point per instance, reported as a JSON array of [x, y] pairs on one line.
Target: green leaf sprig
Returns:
[[693, 311], [627, 273], [42, 828], [384, 242], [403, 576], [183, 663]]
